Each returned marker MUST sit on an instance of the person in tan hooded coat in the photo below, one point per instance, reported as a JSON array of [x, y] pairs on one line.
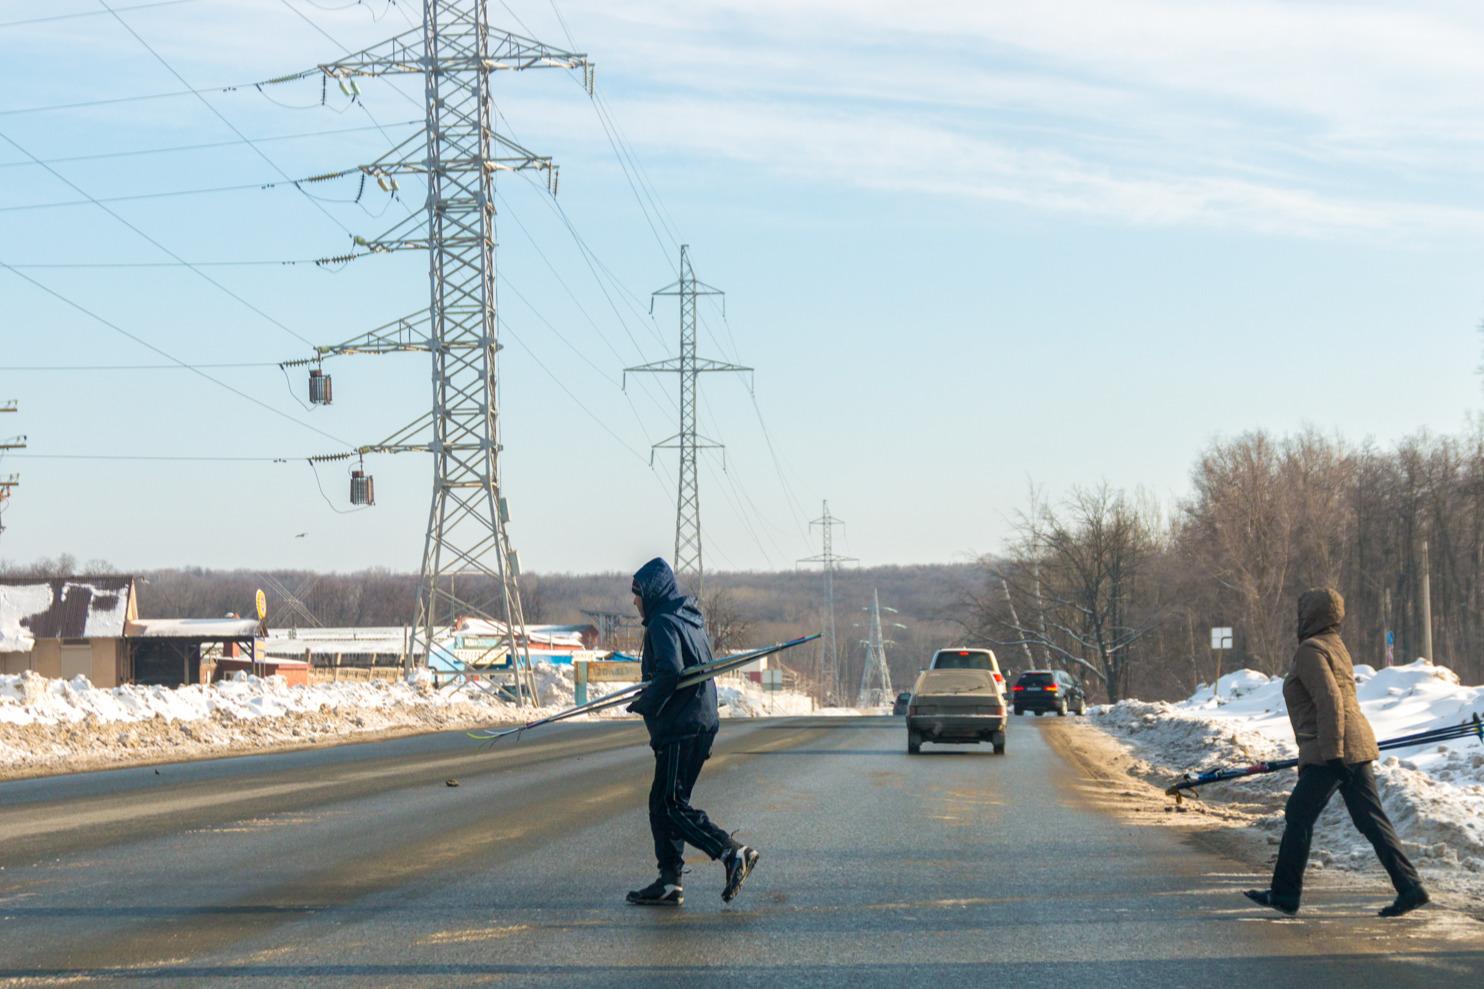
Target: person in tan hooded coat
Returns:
[[1336, 748]]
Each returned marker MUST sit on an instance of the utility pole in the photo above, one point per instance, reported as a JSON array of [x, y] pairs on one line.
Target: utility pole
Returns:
[[688, 367], [875, 667], [1426, 605], [829, 656], [9, 483], [456, 52]]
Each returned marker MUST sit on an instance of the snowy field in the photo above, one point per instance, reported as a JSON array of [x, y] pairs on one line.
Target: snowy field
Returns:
[[49, 725], [1433, 794]]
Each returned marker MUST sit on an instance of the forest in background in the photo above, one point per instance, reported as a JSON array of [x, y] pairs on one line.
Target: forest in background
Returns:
[[1125, 591], [1119, 589]]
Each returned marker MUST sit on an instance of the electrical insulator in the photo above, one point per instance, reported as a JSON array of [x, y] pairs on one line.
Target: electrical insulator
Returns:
[[362, 488], [320, 390]]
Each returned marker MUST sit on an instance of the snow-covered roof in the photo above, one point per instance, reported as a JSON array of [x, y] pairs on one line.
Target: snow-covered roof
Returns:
[[193, 628], [569, 636], [62, 608], [390, 640]]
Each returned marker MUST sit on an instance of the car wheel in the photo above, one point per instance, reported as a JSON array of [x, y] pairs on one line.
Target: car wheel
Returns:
[[1082, 706], [914, 743], [1061, 709], [999, 749]]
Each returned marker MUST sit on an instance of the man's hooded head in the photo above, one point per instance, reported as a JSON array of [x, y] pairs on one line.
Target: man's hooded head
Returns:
[[655, 586], [1320, 609]]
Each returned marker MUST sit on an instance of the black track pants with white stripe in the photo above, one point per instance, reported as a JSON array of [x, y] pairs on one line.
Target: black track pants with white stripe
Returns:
[[672, 819]]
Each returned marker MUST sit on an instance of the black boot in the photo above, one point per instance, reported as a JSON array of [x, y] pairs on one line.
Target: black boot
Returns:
[[1265, 898], [739, 862], [663, 892], [1406, 902]]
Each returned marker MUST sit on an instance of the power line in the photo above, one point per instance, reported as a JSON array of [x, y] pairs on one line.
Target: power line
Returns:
[[219, 115], [150, 457], [20, 368], [91, 13], [175, 193], [205, 146], [113, 213], [112, 100], [181, 263], [167, 355]]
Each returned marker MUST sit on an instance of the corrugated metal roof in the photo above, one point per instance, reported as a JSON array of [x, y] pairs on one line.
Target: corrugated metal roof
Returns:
[[69, 607]]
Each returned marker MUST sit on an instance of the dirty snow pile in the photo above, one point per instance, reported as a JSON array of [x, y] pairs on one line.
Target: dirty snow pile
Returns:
[[1433, 794], [57, 725]]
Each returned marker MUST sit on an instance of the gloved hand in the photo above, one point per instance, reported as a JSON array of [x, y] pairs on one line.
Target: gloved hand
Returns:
[[1338, 767]]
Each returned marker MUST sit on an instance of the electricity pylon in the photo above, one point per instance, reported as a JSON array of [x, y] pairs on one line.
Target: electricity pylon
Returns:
[[875, 666], [688, 367], [828, 674], [9, 483], [456, 52]]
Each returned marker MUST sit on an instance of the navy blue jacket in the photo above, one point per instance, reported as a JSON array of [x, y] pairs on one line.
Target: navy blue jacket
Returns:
[[674, 640]]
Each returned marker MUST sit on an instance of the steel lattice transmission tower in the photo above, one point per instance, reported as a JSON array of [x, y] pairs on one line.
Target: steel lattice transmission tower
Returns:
[[828, 674], [875, 669], [456, 52], [688, 368]]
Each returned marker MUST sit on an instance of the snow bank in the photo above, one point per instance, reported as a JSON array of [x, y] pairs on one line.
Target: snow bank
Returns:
[[1432, 794], [59, 725]]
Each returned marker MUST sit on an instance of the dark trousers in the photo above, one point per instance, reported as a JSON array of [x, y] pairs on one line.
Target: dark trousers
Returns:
[[672, 819], [1316, 784]]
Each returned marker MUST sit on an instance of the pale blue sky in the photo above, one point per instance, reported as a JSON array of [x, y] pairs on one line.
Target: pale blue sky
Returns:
[[966, 246]]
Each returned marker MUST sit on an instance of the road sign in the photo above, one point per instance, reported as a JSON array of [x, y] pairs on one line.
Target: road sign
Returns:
[[772, 679], [1221, 637], [262, 603]]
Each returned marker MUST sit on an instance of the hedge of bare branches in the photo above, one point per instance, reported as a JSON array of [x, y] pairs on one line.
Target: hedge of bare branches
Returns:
[[1125, 593]]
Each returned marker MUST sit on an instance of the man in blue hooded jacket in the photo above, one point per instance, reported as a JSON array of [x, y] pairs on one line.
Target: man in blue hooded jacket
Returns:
[[682, 725]]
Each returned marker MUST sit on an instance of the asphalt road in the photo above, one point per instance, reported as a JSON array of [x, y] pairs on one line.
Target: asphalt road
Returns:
[[358, 866]]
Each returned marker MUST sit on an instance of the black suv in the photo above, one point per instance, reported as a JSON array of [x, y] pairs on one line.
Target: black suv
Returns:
[[1048, 690], [903, 700]]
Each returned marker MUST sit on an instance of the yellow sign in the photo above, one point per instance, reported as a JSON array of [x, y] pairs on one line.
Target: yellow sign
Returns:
[[262, 602], [607, 671]]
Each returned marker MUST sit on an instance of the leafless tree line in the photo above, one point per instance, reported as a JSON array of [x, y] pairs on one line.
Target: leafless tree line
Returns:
[[1124, 593]]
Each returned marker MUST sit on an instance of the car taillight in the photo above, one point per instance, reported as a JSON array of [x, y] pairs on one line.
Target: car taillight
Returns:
[[1017, 687], [1051, 686], [998, 678]]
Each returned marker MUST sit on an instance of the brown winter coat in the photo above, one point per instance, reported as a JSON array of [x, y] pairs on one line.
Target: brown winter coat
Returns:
[[1320, 687]]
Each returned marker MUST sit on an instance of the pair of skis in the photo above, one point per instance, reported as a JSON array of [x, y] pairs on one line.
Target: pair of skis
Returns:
[[688, 678], [1187, 783]]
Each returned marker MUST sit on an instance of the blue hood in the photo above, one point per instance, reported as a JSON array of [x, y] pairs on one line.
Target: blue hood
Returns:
[[655, 584]]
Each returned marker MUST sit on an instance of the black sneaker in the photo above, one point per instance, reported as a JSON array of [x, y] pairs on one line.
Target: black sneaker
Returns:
[[1264, 898], [1406, 902], [660, 893], [739, 863]]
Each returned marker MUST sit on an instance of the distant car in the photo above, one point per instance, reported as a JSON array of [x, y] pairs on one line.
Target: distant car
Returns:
[[900, 707], [959, 698], [1048, 690]]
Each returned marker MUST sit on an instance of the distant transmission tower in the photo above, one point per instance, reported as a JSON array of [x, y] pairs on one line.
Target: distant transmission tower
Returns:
[[455, 51], [875, 689], [688, 367], [828, 674], [10, 482]]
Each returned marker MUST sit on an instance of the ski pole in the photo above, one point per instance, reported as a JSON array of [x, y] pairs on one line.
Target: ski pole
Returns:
[[1188, 782], [688, 678]]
